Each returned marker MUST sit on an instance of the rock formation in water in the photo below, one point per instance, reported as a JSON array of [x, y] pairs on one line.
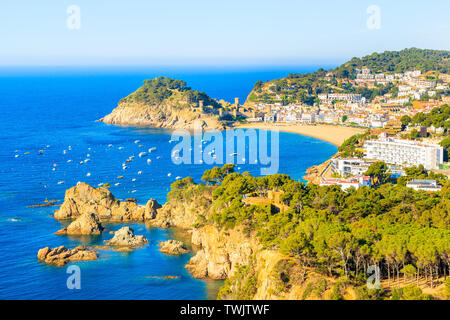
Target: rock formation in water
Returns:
[[173, 247], [100, 201], [166, 103], [61, 255], [87, 223], [125, 237]]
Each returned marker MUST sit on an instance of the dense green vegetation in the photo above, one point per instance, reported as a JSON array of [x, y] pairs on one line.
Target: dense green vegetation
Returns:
[[439, 117], [400, 61], [349, 148], [339, 233], [156, 91]]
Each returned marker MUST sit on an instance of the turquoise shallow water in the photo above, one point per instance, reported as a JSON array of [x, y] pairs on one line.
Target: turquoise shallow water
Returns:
[[57, 109]]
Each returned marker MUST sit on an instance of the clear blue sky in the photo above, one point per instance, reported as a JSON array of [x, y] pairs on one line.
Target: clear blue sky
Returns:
[[191, 32]]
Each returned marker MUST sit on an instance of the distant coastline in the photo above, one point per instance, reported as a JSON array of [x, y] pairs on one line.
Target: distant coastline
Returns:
[[333, 134]]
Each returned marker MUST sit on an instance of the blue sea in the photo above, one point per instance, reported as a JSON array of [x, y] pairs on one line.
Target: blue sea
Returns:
[[55, 110]]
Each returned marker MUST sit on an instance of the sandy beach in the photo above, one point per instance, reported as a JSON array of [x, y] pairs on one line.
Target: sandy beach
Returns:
[[334, 134]]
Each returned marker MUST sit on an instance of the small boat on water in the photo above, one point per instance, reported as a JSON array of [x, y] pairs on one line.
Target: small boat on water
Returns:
[[139, 172], [64, 151], [110, 145], [116, 184], [151, 149], [169, 174], [178, 178], [134, 179], [16, 156], [120, 177], [88, 174], [81, 162], [149, 161], [120, 148], [137, 141], [68, 161], [142, 154], [60, 182]]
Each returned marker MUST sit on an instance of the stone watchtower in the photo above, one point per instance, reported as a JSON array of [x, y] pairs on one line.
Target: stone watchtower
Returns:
[[201, 106], [236, 102]]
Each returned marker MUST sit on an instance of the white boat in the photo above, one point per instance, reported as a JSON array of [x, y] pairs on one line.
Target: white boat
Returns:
[[110, 145], [142, 154], [120, 148], [16, 156], [134, 179], [81, 162], [64, 151], [88, 174], [149, 161], [178, 178], [60, 182], [68, 161], [116, 184], [137, 141], [133, 191], [139, 172], [169, 174]]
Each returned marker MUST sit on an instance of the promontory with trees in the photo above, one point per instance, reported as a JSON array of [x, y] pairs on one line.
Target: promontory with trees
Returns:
[[319, 241]]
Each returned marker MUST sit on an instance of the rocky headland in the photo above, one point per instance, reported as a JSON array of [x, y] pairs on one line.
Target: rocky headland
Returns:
[[234, 254], [166, 103]]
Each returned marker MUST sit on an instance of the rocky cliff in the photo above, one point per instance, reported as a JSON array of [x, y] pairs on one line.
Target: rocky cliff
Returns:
[[166, 103], [250, 270]]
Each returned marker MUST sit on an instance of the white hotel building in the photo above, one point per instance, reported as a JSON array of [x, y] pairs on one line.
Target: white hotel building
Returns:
[[405, 152]]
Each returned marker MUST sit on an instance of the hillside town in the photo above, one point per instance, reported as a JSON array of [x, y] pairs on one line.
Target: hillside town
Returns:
[[412, 92]]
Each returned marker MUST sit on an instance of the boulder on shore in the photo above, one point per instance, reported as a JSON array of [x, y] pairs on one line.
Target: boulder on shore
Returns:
[[87, 223], [61, 255], [173, 247], [125, 237]]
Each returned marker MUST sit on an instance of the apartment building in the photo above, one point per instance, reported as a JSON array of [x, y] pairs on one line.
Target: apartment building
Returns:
[[405, 152]]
